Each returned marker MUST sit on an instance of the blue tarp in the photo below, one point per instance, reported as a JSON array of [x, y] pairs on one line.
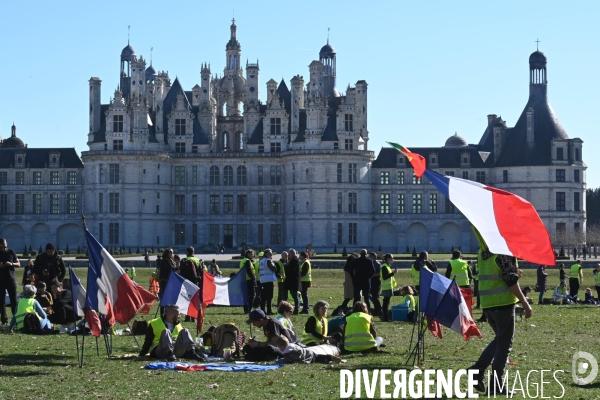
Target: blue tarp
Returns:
[[211, 367]]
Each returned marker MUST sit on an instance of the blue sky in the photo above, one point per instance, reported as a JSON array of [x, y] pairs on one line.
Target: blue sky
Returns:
[[433, 68]]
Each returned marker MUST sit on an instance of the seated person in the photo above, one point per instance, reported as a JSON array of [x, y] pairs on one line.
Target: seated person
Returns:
[[407, 297], [561, 295], [293, 353], [284, 314], [359, 333], [27, 304], [214, 268], [43, 297], [62, 306], [272, 329], [169, 339], [589, 297], [526, 290], [315, 329]]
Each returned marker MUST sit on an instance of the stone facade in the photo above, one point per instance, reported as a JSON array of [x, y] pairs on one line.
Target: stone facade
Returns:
[[173, 167]]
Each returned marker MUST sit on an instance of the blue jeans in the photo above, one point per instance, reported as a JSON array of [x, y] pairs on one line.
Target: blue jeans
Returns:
[[541, 299], [502, 322]]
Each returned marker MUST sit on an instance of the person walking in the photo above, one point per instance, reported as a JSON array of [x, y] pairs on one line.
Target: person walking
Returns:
[[248, 266], [306, 280], [541, 282], [8, 262], [500, 291], [147, 258], [362, 270], [376, 285], [292, 278]]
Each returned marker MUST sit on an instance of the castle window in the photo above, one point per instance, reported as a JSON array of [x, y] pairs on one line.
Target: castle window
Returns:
[[180, 147], [37, 203], [3, 178], [180, 127], [349, 144], [275, 204], [54, 203], [480, 176], [576, 175], [348, 122], [113, 233], [180, 234], [465, 175], [400, 177], [449, 173], [336, 145], [260, 175], [228, 175], [180, 204], [352, 173], [560, 175], [385, 203], [275, 175], [417, 203], [339, 233], [180, 175], [432, 203], [577, 155], [118, 123], [259, 235], [194, 149], [276, 147], [352, 203], [214, 204], [352, 232], [19, 178], [339, 173], [560, 201], [261, 149], [55, 178], [4, 203], [505, 176], [242, 202], [576, 206], [113, 173], [340, 202], [260, 204], [214, 176], [113, 203], [19, 204], [449, 207], [242, 176], [415, 180], [276, 233], [72, 203], [71, 177], [275, 126], [384, 178], [559, 153], [194, 204], [401, 208]]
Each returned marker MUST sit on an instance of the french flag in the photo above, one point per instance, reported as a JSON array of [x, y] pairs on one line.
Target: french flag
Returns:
[[83, 306], [225, 291], [110, 291], [442, 301], [183, 293], [508, 223]]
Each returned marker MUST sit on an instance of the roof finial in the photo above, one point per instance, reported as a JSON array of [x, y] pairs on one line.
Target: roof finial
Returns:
[[328, 29], [151, 49], [128, 29], [537, 45]]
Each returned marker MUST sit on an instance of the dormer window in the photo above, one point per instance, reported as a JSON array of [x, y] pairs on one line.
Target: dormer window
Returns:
[[180, 126], [180, 147], [275, 126], [433, 158], [560, 154], [54, 160], [19, 159], [118, 124]]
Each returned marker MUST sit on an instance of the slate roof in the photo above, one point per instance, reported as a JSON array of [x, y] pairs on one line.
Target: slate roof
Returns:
[[257, 134], [100, 136], [301, 127], [447, 157], [38, 158]]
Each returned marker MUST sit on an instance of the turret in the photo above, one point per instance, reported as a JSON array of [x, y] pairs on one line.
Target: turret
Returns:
[[233, 51], [271, 89], [127, 56], [361, 109], [297, 91], [138, 76], [327, 58], [252, 71]]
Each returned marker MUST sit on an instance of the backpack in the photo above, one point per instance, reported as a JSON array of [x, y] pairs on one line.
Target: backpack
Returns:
[[31, 324], [139, 327], [225, 337], [187, 269]]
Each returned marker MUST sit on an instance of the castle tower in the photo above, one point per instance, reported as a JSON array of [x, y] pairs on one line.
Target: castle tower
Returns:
[[327, 58], [297, 92], [95, 107], [127, 56], [233, 52], [138, 76]]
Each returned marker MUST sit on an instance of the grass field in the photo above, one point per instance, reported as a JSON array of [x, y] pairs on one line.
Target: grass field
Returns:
[[46, 366]]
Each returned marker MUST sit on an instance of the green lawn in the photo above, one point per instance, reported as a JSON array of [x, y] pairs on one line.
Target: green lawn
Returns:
[[46, 366]]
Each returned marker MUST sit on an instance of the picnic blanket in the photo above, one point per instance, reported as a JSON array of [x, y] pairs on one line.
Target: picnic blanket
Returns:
[[177, 366]]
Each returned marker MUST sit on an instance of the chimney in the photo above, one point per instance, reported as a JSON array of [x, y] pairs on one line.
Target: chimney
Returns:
[[498, 139], [530, 127], [491, 118]]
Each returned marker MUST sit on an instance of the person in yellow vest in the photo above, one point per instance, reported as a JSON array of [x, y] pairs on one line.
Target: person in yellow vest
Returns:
[[214, 268], [256, 265], [500, 291], [282, 294], [315, 329], [561, 295], [475, 273], [306, 280], [407, 298], [575, 279], [27, 304], [388, 284], [169, 339], [597, 280], [284, 315], [415, 269], [248, 266], [154, 288], [459, 268], [359, 332], [131, 272]]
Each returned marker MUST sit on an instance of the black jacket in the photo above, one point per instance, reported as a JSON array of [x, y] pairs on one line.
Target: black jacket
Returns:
[[292, 274], [54, 264], [362, 270]]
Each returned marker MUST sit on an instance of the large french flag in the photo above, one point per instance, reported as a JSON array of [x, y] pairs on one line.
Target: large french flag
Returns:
[[508, 223], [83, 306], [225, 291], [110, 291], [442, 301], [183, 293]]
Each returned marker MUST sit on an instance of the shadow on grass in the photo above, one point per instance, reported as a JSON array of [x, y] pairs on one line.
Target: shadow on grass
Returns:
[[21, 374], [41, 360], [595, 385]]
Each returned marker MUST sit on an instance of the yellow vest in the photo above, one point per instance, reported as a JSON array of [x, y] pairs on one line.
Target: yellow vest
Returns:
[[158, 325], [412, 304], [597, 279], [308, 276], [256, 266], [308, 338], [460, 270], [476, 272], [281, 271], [387, 284], [416, 277], [574, 271], [357, 333], [493, 291], [24, 306], [242, 263]]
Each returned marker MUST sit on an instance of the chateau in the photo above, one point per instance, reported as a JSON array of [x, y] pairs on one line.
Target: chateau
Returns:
[[218, 163]]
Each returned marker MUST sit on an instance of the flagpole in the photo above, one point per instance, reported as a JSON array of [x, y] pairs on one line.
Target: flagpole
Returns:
[[79, 359]]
